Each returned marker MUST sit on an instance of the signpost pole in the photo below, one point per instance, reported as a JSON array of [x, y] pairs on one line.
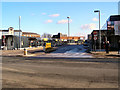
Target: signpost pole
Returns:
[[95, 38], [19, 32], [95, 45], [119, 47]]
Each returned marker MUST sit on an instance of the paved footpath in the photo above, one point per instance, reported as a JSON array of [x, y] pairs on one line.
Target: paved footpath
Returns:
[[30, 52], [112, 54]]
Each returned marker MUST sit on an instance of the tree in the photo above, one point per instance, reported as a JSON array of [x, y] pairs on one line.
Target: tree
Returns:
[[46, 35]]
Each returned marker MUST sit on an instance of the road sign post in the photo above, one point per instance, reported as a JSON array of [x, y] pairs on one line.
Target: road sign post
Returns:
[[119, 47], [95, 45], [95, 38]]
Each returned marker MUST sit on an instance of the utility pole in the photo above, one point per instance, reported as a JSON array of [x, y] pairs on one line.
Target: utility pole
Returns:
[[68, 27], [99, 29], [19, 32], [99, 32]]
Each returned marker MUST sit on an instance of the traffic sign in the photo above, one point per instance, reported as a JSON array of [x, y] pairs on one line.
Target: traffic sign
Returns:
[[95, 38], [94, 32], [95, 35]]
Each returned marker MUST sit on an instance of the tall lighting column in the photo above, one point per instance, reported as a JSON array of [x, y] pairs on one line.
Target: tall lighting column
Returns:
[[68, 27], [99, 29], [19, 32]]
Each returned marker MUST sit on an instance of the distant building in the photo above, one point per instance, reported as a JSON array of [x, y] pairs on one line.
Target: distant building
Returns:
[[89, 37], [59, 35], [11, 31], [30, 34], [65, 37], [11, 39], [32, 37]]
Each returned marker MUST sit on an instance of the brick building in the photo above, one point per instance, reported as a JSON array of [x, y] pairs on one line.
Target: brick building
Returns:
[[65, 37], [30, 34], [32, 37]]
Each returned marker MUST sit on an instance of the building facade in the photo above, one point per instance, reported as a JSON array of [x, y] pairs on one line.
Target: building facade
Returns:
[[65, 37], [30, 34], [11, 39], [59, 35], [11, 31], [109, 32], [113, 27], [33, 38]]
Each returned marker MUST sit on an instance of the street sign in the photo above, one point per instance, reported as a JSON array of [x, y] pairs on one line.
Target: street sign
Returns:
[[95, 38], [95, 35], [95, 32]]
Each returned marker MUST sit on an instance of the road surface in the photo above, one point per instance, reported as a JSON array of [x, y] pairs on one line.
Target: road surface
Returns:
[[24, 72]]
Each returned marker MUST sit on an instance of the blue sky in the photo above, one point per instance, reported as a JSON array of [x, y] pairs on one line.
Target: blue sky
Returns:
[[51, 17]]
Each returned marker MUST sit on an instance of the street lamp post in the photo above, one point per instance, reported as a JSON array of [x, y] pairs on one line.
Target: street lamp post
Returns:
[[19, 32], [68, 27], [99, 29]]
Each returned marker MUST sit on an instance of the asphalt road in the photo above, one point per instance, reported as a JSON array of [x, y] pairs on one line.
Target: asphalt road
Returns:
[[21, 72]]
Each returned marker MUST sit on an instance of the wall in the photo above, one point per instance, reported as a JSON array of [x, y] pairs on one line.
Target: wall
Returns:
[[24, 42], [5, 33], [10, 43], [17, 33]]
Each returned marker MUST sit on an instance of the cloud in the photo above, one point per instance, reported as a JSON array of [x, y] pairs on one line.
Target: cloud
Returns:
[[54, 15], [63, 21], [95, 19], [90, 26], [43, 13], [48, 21]]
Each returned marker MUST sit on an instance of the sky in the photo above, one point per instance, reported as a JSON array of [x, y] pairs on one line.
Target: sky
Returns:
[[51, 17]]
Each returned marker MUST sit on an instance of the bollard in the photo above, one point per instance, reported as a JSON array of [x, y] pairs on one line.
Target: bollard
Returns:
[[25, 51]]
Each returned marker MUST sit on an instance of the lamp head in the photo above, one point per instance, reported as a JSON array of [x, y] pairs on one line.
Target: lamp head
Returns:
[[68, 17], [97, 11], [20, 17]]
